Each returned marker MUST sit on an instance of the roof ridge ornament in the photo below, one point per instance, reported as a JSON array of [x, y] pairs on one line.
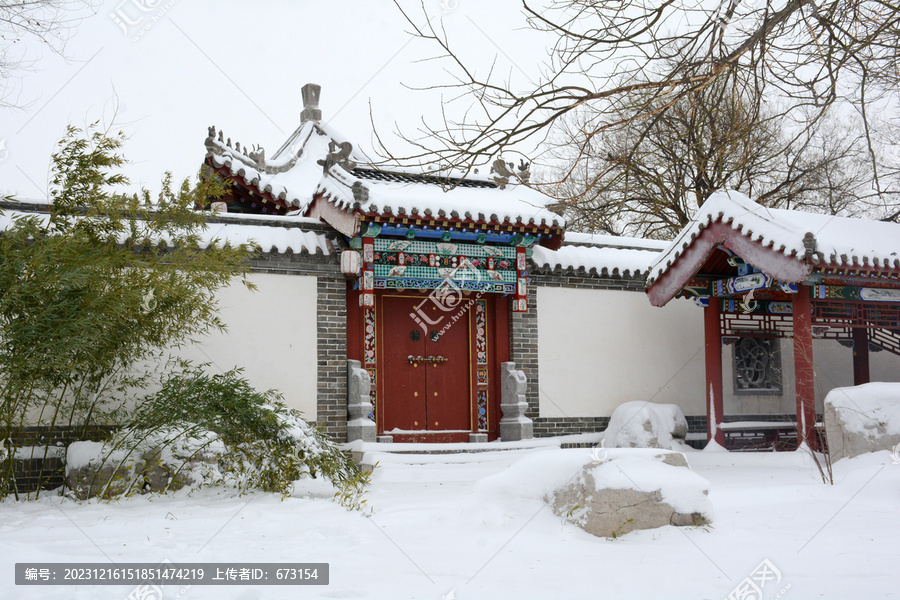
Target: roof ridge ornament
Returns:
[[311, 112], [210, 141], [258, 155], [360, 192], [504, 170], [254, 158], [809, 244], [338, 154]]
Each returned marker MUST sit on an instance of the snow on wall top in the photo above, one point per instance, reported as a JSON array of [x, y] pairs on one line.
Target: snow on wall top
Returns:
[[615, 241], [823, 239], [295, 176], [280, 240], [277, 239], [603, 255]]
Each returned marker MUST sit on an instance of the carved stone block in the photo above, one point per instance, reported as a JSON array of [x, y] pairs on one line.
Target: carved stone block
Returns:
[[514, 425], [359, 406]]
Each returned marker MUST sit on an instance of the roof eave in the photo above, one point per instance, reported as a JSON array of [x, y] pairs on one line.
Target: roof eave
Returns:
[[266, 194], [346, 222], [786, 268]]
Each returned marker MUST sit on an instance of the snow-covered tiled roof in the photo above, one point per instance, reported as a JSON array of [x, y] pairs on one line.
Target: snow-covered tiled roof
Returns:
[[291, 176], [517, 204], [276, 240], [295, 176], [602, 255], [615, 241], [823, 240]]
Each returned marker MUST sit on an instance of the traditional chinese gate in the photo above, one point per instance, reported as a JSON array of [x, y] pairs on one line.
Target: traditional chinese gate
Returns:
[[434, 379], [425, 369], [405, 236]]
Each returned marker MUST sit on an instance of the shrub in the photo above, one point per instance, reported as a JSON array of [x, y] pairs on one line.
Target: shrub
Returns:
[[103, 283], [263, 444]]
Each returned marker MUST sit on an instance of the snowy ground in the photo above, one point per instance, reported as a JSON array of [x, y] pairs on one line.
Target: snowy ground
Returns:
[[469, 526]]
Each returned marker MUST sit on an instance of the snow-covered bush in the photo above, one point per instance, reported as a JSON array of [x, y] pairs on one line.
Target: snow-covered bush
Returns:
[[96, 289], [134, 460], [217, 429]]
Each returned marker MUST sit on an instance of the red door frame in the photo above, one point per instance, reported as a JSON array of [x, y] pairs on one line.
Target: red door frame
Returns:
[[429, 400], [497, 313]]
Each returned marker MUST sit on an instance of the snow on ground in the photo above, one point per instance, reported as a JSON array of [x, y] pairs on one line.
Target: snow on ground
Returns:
[[474, 526]]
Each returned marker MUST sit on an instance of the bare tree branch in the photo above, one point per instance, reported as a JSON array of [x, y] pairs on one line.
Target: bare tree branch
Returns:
[[49, 22], [634, 63]]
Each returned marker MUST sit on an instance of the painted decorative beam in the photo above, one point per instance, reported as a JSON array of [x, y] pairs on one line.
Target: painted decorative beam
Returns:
[[757, 308], [840, 292], [447, 234], [749, 283], [371, 230]]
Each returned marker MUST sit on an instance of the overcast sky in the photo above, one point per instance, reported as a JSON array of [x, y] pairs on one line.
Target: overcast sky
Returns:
[[174, 67]]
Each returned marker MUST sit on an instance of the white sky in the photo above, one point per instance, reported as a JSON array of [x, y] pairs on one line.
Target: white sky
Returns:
[[188, 64]]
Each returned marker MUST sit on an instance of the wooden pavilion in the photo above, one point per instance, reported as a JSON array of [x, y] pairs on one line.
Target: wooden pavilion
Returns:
[[771, 273]]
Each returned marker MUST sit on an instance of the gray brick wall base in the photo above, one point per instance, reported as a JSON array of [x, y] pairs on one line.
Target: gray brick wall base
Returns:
[[556, 426]]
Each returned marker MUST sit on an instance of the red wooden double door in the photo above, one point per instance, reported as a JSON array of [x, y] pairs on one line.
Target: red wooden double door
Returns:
[[437, 366]]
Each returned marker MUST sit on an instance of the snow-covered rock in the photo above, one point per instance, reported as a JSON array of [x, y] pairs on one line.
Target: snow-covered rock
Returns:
[[92, 470], [165, 460], [860, 419], [634, 489], [646, 425], [164, 472]]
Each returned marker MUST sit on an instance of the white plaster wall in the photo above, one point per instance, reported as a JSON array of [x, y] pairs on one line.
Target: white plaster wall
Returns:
[[271, 334], [884, 366], [600, 348]]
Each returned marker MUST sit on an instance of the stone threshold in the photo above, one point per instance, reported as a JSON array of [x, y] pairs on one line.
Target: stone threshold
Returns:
[[365, 453]]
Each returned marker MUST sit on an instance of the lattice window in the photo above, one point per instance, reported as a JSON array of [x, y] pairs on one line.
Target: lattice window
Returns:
[[757, 366]]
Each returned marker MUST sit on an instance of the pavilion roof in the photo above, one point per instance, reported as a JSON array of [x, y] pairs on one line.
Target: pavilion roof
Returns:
[[787, 244]]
